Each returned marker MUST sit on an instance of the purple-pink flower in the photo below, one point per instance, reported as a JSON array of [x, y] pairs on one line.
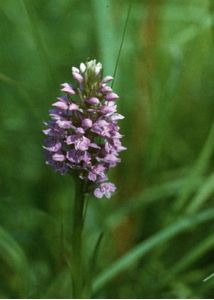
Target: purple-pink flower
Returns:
[[83, 134]]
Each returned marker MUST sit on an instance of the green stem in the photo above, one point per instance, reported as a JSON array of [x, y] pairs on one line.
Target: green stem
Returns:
[[77, 267]]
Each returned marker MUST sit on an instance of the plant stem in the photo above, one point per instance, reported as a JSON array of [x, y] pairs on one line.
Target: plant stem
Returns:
[[77, 268]]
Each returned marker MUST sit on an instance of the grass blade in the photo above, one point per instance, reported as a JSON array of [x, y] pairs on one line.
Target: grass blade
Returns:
[[197, 171], [39, 42], [202, 195], [106, 38], [122, 41], [144, 247], [190, 258]]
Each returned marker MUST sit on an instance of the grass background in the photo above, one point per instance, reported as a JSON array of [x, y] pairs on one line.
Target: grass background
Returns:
[[158, 229]]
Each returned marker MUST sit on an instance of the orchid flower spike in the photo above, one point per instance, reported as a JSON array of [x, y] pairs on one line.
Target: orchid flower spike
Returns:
[[83, 135]]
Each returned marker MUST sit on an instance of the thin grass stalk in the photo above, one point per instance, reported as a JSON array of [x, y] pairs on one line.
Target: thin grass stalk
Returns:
[[122, 42]]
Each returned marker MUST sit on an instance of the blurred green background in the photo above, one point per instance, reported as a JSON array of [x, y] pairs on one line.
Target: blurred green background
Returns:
[[158, 228]]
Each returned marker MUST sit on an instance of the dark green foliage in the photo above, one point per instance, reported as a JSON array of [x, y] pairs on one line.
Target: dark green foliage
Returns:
[[154, 238]]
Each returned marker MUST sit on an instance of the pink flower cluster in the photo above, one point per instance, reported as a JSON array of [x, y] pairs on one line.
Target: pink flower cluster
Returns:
[[83, 135]]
